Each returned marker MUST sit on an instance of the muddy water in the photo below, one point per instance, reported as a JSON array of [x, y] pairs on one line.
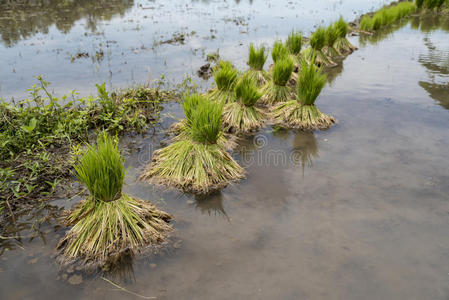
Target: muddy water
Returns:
[[360, 211], [75, 44]]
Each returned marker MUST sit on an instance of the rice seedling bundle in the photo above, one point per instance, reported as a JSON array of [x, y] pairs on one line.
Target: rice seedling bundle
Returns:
[[242, 116], [199, 163], [277, 90], [430, 4], [302, 112], [332, 36], [342, 45], [181, 128], [109, 223], [294, 44], [318, 41], [225, 76], [279, 51], [256, 62], [387, 16]]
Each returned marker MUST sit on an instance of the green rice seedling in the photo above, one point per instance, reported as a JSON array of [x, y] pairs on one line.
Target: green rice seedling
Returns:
[[277, 90], [342, 45], [225, 76], [242, 116], [199, 163], [294, 43], [181, 129], [256, 61], [318, 41], [109, 223], [332, 36], [302, 112], [387, 16], [419, 3], [279, 51]]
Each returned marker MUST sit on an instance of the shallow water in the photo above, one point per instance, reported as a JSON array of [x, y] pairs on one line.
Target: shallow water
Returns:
[[360, 211], [45, 37]]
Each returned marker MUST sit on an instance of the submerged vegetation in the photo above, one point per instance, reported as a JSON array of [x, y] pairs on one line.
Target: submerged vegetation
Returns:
[[302, 112], [109, 223], [242, 116], [198, 163], [256, 62]]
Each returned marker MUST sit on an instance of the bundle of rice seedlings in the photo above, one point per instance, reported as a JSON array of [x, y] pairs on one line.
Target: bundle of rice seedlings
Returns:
[[242, 116], [225, 76], [386, 16], [430, 4], [109, 223], [302, 112], [279, 51], [332, 36], [342, 44], [294, 44], [277, 90], [318, 41], [197, 164], [256, 61], [181, 128]]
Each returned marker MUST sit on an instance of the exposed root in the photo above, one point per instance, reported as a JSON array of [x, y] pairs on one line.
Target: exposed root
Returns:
[[321, 59], [261, 77], [220, 96], [293, 115], [193, 167], [241, 119], [102, 231], [343, 46], [273, 94]]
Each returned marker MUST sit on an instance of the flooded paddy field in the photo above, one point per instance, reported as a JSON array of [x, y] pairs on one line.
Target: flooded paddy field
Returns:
[[360, 211], [76, 44]]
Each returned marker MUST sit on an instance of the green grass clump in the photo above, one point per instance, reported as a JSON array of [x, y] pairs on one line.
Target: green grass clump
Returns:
[[279, 50], [302, 112], [332, 36], [109, 223], [282, 71], [277, 89], [205, 122], [101, 170], [294, 42], [318, 39], [225, 76], [256, 61], [342, 45], [387, 16], [257, 58], [243, 116], [198, 163]]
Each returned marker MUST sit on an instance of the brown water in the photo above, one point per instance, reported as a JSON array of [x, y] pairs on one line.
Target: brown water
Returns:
[[360, 211]]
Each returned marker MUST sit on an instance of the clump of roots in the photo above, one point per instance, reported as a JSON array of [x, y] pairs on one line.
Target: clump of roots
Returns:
[[293, 115], [102, 231], [193, 167]]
